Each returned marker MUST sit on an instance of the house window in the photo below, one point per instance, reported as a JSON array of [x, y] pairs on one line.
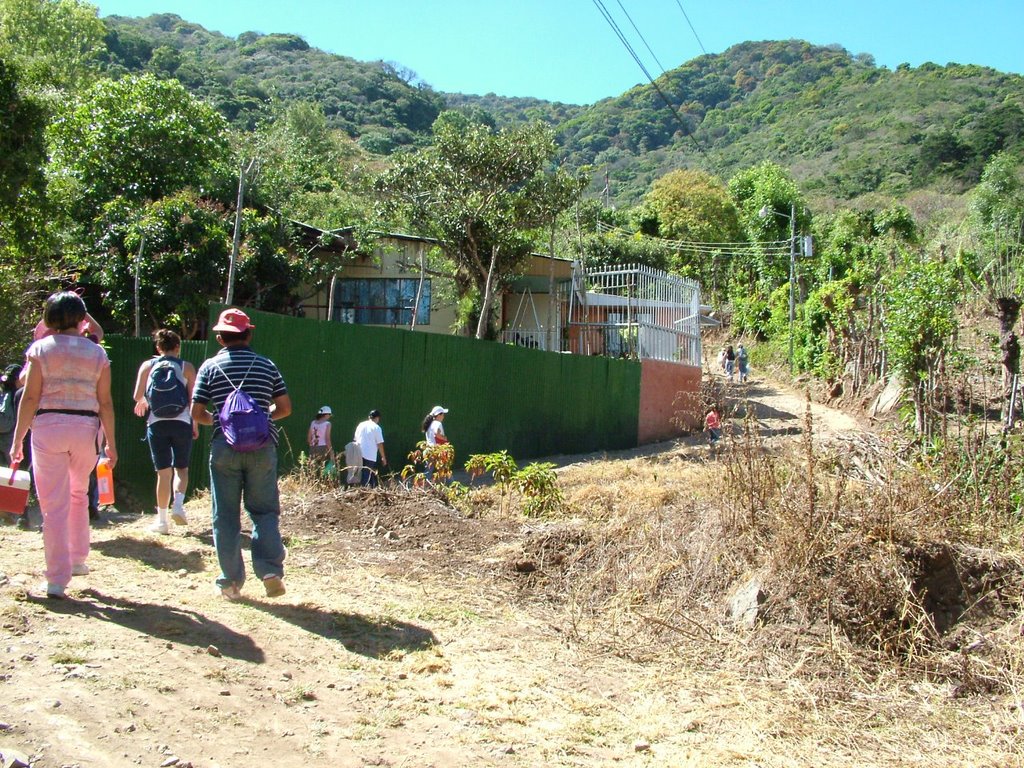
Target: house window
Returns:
[[380, 301]]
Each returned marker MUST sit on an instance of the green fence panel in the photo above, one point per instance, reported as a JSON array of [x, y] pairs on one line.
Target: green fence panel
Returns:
[[526, 401]]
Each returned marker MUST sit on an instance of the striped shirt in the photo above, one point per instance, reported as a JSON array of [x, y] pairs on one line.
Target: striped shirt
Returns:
[[245, 370]]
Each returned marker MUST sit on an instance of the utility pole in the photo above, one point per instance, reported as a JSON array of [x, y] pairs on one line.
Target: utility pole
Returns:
[[792, 279], [138, 267], [243, 172]]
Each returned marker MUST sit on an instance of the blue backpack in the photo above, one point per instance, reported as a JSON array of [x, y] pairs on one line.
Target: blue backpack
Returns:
[[245, 425], [167, 390]]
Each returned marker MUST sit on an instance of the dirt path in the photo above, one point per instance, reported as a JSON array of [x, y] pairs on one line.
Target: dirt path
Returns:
[[405, 639]]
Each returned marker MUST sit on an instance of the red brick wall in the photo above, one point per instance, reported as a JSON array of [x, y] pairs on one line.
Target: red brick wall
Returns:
[[668, 394]]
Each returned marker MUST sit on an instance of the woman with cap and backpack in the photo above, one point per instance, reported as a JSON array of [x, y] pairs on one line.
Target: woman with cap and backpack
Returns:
[[163, 390]]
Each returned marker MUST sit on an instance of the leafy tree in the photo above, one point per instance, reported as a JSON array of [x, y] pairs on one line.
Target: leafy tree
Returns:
[[184, 242], [694, 206], [180, 246], [56, 43], [920, 319], [996, 235], [23, 220], [479, 192], [765, 197], [22, 147], [138, 138]]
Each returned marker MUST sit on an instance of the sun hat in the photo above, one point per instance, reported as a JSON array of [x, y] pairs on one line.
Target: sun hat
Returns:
[[325, 410], [234, 321], [437, 410]]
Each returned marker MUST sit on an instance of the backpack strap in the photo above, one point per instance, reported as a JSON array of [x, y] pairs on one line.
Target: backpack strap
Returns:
[[251, 364]]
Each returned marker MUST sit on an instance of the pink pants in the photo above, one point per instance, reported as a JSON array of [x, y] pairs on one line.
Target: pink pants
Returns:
[[63, 457]]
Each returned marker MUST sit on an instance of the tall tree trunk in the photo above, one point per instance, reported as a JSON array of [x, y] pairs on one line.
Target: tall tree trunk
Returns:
[[484, 322], [1007, 311]]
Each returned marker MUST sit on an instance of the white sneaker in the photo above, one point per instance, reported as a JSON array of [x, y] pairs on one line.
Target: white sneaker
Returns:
[[81, 569], [55, 591], [161, 528], [178, 511]]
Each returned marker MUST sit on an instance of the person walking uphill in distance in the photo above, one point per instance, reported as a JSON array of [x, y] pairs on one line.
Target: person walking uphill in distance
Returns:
[[247, 394], [66, 400], [370, 437], [163, 389]]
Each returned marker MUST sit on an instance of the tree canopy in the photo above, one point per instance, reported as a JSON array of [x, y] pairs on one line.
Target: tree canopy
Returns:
[[479, 191], [138, 138]]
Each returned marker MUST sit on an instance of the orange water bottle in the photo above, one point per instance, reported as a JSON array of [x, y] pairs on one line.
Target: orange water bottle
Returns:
[[105, 481]]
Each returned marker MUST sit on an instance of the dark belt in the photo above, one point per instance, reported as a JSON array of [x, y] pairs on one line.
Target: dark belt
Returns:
[[67, 412]]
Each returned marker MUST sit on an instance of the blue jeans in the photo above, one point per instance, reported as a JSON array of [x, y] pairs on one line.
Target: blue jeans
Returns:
[[370, 469], [252, 476]]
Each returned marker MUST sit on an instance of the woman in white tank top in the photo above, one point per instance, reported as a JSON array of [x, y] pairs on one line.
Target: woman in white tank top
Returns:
[[319, 437]]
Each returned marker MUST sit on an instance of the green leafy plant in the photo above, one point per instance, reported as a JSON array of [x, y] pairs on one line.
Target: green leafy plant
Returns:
[[536, 483], [439, 459]]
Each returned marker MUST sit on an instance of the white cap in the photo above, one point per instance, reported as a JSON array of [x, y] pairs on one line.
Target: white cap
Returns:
[[325, 410], [437, 410]]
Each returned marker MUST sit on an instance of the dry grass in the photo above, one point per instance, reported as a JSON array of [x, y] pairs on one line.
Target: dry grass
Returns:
[[891, 630], [918, 574]]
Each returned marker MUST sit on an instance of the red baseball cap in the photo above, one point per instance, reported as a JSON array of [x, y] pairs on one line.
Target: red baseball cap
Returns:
[[234, 321]]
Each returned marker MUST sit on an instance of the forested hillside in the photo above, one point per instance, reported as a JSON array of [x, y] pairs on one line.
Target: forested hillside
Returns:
[[843, 125], [242, 77]]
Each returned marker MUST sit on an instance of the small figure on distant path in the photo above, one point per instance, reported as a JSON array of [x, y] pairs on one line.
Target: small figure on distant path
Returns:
[[713, 426], [321, 449], [730, 362], [370, 438], [742, 363], [433, 429], [721, 359], [8, 410]]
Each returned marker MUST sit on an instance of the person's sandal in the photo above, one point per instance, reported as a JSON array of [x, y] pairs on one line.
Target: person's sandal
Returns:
[[274, 585]]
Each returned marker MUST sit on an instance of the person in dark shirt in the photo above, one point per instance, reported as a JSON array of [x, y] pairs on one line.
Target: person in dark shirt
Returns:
[[243, 475]]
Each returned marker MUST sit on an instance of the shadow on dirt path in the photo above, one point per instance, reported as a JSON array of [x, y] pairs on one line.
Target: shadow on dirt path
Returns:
[[179, 625], [357, 633]]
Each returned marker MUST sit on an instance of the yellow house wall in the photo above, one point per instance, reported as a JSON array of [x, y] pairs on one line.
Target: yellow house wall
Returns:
[[387, 261]]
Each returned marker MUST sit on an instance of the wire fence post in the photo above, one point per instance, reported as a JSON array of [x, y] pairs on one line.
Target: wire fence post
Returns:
[[1012, 410]]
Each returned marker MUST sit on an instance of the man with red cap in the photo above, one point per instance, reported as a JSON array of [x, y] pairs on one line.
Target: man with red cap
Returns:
[[242, 472]]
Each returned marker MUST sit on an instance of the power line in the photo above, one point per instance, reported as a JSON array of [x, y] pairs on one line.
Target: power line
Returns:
[[729, 249], [680, 4], [641, 36], [629, 48]]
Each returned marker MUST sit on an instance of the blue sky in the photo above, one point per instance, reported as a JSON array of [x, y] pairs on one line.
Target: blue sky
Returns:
[[565, 50]]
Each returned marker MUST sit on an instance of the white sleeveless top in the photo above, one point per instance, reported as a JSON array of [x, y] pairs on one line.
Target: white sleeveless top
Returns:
[[319, 432]]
